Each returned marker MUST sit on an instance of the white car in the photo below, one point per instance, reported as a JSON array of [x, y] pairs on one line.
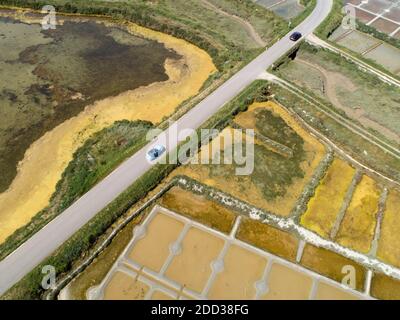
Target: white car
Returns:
[[155, 152]]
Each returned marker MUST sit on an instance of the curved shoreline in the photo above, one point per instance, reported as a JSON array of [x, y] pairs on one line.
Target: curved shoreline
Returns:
[[38, 173]]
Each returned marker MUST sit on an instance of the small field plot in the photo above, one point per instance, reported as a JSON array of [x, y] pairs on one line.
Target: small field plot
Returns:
[[363, 97], [384, 287], [377, 6], [124, 287], [242, 269], [384, 26], [364, 16], [153, 248], [358, 226], [393, 14], [371, 48], [324, 207], [331, 264], [386, 55], [192, 266], [268, 238], [287, 284], [389, 242], [285, 157], [357, 41]]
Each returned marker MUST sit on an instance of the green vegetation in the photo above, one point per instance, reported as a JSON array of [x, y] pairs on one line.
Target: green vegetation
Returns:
[[332, 21], [274, 172], [91, 162]]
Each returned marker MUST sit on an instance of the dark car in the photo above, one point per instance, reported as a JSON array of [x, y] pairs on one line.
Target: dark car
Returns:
[[295, 36]]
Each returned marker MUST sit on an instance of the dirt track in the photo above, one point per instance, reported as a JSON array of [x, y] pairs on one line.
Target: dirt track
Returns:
[[332, 80], [249, 28]]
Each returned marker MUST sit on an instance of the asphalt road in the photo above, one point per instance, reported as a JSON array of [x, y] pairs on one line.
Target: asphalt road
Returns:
[[47, 240]]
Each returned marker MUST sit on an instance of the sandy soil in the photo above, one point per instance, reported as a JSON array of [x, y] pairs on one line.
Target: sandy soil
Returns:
[[285, 283], [192, 267], [152, 250], [324, 207], [159, 295], [124, 287], [328, 292], [48, 157], [242, 269], [358, 226]]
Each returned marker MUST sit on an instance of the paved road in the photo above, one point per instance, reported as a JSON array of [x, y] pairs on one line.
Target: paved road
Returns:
[[47, 240]]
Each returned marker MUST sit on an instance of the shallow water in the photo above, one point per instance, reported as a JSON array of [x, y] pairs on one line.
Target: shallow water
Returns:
[[47, 77]]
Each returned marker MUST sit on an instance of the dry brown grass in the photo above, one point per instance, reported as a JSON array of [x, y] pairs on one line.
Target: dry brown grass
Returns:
[[384, 287], [330, 264], [268, 238], [199, 208]]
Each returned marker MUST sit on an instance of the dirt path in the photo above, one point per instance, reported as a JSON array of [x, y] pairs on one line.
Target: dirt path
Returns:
[[332, 80], [249, 28]]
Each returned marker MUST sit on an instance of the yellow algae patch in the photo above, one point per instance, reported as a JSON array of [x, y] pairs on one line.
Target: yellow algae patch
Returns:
[[125, 287], [358, 226], [324, 207], [242, 187], [152, 250], [47, 158], [192, 267], [242, 269], [285, 283], [389, 242]]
